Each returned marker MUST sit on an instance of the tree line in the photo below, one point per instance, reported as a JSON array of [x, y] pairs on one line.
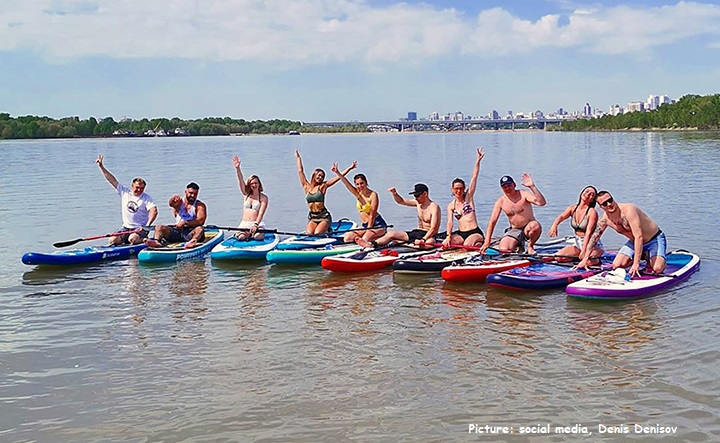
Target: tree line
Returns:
[[690, 111], [30, 126]]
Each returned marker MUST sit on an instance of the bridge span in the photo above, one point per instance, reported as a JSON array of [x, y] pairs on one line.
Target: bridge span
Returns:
[[448, 125]]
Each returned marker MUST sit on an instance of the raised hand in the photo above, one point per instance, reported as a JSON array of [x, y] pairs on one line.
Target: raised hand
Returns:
[[353, 165], [480, 154], [527, 180], [334, 168], [99, 160], [392, 190], [297, 154], [236, 162]]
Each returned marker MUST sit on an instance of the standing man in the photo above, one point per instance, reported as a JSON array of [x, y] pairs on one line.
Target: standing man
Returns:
[[517, 205], [644, 234], [138, 208], [429, 217], [190, 215]]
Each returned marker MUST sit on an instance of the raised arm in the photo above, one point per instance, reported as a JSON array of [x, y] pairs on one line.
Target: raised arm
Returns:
[[108, 176], [475, 173], [353, 190], [494, 216], [559, 219], [400, 200], [345, 171], [536, 198], [238, 171], [301, 172]]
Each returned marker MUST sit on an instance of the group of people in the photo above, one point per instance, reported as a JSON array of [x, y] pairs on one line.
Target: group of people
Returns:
[[646, 240]]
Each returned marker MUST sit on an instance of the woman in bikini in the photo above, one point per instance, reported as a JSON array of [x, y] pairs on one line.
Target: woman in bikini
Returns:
[[366, 202], [319, 218], [255, 204], [462, 209], [583, 219]]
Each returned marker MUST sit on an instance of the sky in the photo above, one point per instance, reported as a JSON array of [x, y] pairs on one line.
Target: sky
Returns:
[[345, 60]]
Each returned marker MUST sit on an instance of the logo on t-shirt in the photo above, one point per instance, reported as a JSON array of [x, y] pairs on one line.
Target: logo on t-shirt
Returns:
[[132, 207]]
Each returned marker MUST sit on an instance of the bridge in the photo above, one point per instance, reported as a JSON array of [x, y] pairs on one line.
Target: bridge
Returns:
[[448, 125]]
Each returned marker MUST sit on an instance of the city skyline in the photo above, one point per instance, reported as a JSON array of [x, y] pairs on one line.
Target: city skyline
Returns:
[[349, 60]]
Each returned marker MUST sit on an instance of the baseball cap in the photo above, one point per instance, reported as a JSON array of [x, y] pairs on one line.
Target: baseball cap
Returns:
[[419, 189], [506, 180]]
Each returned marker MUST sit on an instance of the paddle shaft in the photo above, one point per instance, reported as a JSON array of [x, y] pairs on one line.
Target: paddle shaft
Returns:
[[299, 234], [63, 244]]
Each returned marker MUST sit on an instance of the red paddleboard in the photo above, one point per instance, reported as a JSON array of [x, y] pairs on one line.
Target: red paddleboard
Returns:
[[478, 271], [366, 261]]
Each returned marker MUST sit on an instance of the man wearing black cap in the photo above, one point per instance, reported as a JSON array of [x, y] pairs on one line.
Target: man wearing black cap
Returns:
[[517, 205], [429, 217], [190, 215]]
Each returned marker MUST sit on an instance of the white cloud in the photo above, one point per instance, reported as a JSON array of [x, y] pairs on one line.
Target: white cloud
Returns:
[[287, 33]]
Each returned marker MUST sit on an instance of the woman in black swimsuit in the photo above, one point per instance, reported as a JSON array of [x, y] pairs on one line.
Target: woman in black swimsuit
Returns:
[[462, 209]]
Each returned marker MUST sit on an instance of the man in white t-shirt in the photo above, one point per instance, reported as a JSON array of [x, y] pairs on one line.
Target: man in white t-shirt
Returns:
[[138, 208]]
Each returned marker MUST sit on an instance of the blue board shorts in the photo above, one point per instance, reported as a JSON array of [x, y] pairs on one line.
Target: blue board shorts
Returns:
[[655, 247], [379, 222]]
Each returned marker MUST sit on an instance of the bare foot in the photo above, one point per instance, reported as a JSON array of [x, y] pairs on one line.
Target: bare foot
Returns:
[[363, 243], [531, 250], [191, 244], [152, 243]]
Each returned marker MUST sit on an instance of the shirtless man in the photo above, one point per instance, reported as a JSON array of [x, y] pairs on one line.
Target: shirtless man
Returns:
[[429, 218], [644, 234], [517, 205], [190, 215]]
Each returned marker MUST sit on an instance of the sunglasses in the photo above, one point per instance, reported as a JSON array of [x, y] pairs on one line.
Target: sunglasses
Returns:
[[607, 202]]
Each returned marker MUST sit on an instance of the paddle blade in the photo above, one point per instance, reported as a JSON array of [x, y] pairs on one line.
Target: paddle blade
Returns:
[[63, 244]]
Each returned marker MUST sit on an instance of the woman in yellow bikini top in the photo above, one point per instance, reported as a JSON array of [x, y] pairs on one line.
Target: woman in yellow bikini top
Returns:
[[366, 202], [319, 218]]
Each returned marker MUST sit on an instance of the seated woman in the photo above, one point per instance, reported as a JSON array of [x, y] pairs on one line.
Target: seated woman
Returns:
[[462, 209], [367, 203], [255, 204], [583, 219], [319, 218]]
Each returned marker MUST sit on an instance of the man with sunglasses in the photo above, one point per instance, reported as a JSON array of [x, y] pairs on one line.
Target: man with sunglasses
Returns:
[[645, 237], [429, 217], [138, 208], [517, 206]]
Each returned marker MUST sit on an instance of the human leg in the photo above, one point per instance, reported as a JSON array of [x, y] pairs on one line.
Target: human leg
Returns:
[[532, 233]]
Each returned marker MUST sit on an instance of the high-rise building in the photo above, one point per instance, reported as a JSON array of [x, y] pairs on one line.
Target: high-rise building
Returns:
[[412, 116], [494, 115], [635, 107], [587, 110]]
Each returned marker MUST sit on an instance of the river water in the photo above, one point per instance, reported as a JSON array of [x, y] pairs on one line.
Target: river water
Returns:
[[204, 352]]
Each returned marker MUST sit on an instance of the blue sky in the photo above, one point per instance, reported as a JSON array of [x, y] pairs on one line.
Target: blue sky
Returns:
[[320, 60]]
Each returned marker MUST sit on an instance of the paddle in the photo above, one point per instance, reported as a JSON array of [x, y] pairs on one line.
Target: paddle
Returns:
[[362, 254], [299, 234], [62, 244]]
